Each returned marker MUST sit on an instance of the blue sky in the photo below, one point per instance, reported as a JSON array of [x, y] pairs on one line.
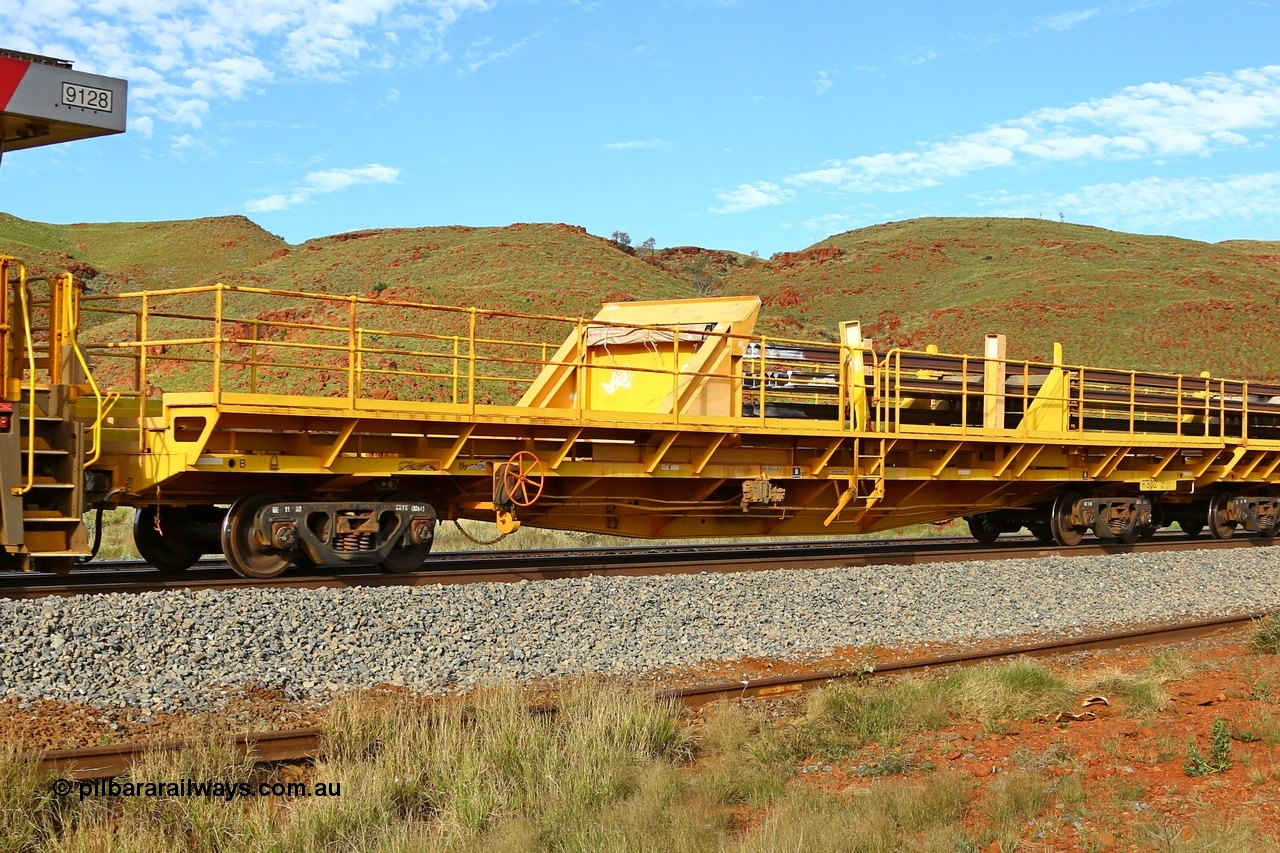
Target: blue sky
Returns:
[[745, 125]]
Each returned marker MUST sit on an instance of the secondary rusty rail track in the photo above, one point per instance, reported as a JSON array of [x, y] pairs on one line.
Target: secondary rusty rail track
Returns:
[[512, 567], [101, 762]]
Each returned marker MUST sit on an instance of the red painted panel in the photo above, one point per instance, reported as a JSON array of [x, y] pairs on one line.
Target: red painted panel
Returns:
[[11, 72]]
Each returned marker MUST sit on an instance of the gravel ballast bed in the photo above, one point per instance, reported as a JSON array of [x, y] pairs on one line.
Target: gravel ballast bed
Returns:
[[189, 650]]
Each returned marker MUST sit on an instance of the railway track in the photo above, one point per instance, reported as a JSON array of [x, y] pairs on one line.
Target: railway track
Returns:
[[514, 566], [100, 762]]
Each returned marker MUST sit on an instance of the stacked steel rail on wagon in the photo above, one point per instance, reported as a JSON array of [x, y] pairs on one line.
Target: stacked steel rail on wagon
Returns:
[[339, 428]]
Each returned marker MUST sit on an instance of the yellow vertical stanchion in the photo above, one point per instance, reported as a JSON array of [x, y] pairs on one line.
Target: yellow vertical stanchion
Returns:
[[764, 374], [471, 361], [1244, 412], [144, 321], [31, 392], [580, 381], [253, 356], [1178, 409], [351, 350], [217, 342], [359, 362], [1080, 423], [456, 345], [675, 374], [1133, 401]]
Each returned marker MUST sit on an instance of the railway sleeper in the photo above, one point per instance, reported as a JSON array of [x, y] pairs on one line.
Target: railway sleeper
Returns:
[[263, 534]]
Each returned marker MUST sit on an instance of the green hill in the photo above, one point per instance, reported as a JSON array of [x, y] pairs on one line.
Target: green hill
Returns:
[[1124, 300], [120, 256]]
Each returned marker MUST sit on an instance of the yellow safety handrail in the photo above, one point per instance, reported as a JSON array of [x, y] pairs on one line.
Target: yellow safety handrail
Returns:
[[31, 394], [73, 329]]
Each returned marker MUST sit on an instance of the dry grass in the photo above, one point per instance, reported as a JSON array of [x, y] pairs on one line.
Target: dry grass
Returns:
[[992, 695]]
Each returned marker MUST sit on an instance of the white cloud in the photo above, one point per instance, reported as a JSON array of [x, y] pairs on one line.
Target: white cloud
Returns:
[[1065, 20], [822, 82], [180, 56], [180, 145], [477, 58], [1152, 202], [327, 181], [1153, 120], [751, 197], [642, 143]]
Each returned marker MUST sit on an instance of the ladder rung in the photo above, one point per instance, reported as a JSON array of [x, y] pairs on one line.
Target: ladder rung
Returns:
[[59, 553], [50, 519]]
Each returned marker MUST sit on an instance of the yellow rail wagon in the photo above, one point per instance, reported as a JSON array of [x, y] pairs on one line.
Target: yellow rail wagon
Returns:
[[338, 429]]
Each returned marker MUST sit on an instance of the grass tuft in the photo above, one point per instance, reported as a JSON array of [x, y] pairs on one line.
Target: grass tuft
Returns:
[[1265, 638]]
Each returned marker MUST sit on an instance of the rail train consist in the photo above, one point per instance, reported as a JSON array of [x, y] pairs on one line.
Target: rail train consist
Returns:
[[669, 418]]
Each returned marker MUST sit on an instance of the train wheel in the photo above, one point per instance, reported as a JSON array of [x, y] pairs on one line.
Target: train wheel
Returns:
[[1219, 526], [982, 528], [167, 553], [1193, 529], [248, 557], [405, 557], [1060, 520]]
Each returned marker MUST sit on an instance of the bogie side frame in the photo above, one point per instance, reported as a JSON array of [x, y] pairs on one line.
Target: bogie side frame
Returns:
[[338, 427]]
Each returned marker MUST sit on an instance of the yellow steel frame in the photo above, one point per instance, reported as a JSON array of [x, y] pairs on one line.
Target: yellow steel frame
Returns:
[[639, 415]]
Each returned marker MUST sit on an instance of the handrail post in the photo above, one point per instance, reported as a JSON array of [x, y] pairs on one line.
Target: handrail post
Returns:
[[1208, 403], [764, 374], [253, 356], [31, 392], [143, 390], [457, 344], [1178, 409], [675, 374], [358, 358], [1221, 410], [1080, 421], [72, 332], [217, 341], [580, 371], [352, 350], [843, 381], [897, 392], [1133, 397], [471, 360], [1244, 412]]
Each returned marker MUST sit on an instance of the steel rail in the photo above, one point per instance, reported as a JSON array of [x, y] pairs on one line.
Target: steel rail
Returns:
[[101, 762], [780, 684], [500, 567]]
